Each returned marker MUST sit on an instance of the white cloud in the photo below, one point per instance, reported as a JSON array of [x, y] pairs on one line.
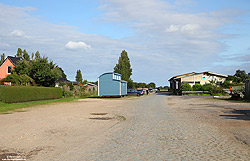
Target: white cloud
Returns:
[[173, 28], [190, 28], [17, 33], [153, 21], [77, 45]]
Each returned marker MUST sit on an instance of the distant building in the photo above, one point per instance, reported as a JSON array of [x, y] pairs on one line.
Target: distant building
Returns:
[[90, 88], [110, 84], [193, 78], [61, 81], [8, 65]]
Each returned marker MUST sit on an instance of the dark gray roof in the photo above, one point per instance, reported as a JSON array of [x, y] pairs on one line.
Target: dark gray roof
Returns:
[[62, 80], [14, 60]]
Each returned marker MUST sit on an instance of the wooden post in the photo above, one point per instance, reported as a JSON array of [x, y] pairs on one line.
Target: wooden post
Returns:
[[247, 89]]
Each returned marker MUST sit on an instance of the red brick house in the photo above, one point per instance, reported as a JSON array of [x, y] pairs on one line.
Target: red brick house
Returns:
[[8, 65]]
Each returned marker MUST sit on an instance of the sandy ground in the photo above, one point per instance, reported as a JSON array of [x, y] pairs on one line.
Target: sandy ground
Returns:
[[51, 130]]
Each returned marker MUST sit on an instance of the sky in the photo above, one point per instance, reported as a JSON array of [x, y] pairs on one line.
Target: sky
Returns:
[[163, 38]]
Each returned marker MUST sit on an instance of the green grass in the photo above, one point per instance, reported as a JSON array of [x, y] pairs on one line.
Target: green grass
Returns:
[[4, 107]]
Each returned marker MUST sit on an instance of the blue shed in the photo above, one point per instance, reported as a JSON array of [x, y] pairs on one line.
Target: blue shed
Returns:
[[110, 84]]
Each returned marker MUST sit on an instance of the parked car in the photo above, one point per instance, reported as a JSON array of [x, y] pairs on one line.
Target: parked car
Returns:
[[141, 91], [134, 92]]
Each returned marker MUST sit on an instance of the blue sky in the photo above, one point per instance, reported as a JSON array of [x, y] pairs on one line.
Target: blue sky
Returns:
[[163, 38]]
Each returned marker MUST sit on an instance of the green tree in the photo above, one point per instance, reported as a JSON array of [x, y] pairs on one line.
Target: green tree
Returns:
[[42, 71], [32, 56], [151, 85], [79, 76], [197, 87], [123, 67], [62, 74], [2, 58], [186, 87], [130, 84], [241, 75], [26, 55], [16, 79], [37, 55], [19, 53]]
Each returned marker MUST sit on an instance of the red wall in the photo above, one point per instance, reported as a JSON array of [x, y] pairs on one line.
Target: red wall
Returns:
[[4, 68]]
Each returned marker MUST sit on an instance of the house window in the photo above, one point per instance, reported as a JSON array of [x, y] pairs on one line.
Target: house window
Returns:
[[197, 82], [9, 69]]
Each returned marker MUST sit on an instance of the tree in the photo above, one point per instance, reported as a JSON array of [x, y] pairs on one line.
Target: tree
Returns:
[[241, 75], [32, 56], [151, 85], [26, 55], [130, 84], [78, 76], [19, 79], [37, 55], [63, 75], [123, 67], [197, 87], [2, 58], [42, 71], [19, 53], [186, 87]]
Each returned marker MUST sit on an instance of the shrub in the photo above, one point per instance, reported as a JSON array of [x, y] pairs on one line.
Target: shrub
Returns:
[[197, 87], [67, 93], [208, 87], [16, 79], [15, 94], [186, 87]]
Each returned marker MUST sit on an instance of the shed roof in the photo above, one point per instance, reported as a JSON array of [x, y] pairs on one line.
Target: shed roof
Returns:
[[110, 73]]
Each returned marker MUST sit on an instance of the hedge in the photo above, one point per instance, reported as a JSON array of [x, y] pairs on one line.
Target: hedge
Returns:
[[15, 94]]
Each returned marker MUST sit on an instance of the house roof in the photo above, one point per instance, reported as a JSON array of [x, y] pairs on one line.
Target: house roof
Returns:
[[183, 75], [91, 84], [75, 82], [194, 73], [62, 80], [216, 74], [14, 60]]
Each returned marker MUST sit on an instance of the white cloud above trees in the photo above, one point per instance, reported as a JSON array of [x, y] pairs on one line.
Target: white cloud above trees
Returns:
[[165, 42], [77, 45]]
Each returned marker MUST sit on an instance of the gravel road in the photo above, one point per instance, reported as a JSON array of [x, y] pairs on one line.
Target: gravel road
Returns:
[[156, 131], [154, 127]]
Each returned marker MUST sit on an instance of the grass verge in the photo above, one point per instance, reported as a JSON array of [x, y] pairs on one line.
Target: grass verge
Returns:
[[4, 107]]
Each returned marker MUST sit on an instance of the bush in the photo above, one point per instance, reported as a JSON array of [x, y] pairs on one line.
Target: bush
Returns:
[[15, 94], [208, 87], [197, 87], [67, 93], [23, 80], [186, 87]]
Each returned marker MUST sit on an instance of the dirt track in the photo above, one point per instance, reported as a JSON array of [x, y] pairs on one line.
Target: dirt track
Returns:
[[146, 128]]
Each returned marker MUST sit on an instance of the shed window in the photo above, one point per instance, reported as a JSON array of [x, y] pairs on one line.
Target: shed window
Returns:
[[9, 69]]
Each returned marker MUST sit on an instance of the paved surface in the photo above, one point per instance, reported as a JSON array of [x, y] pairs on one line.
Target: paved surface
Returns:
[[155, 131], [157, 127]]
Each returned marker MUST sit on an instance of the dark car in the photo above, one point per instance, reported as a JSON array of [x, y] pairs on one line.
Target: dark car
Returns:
[[134, 92]]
